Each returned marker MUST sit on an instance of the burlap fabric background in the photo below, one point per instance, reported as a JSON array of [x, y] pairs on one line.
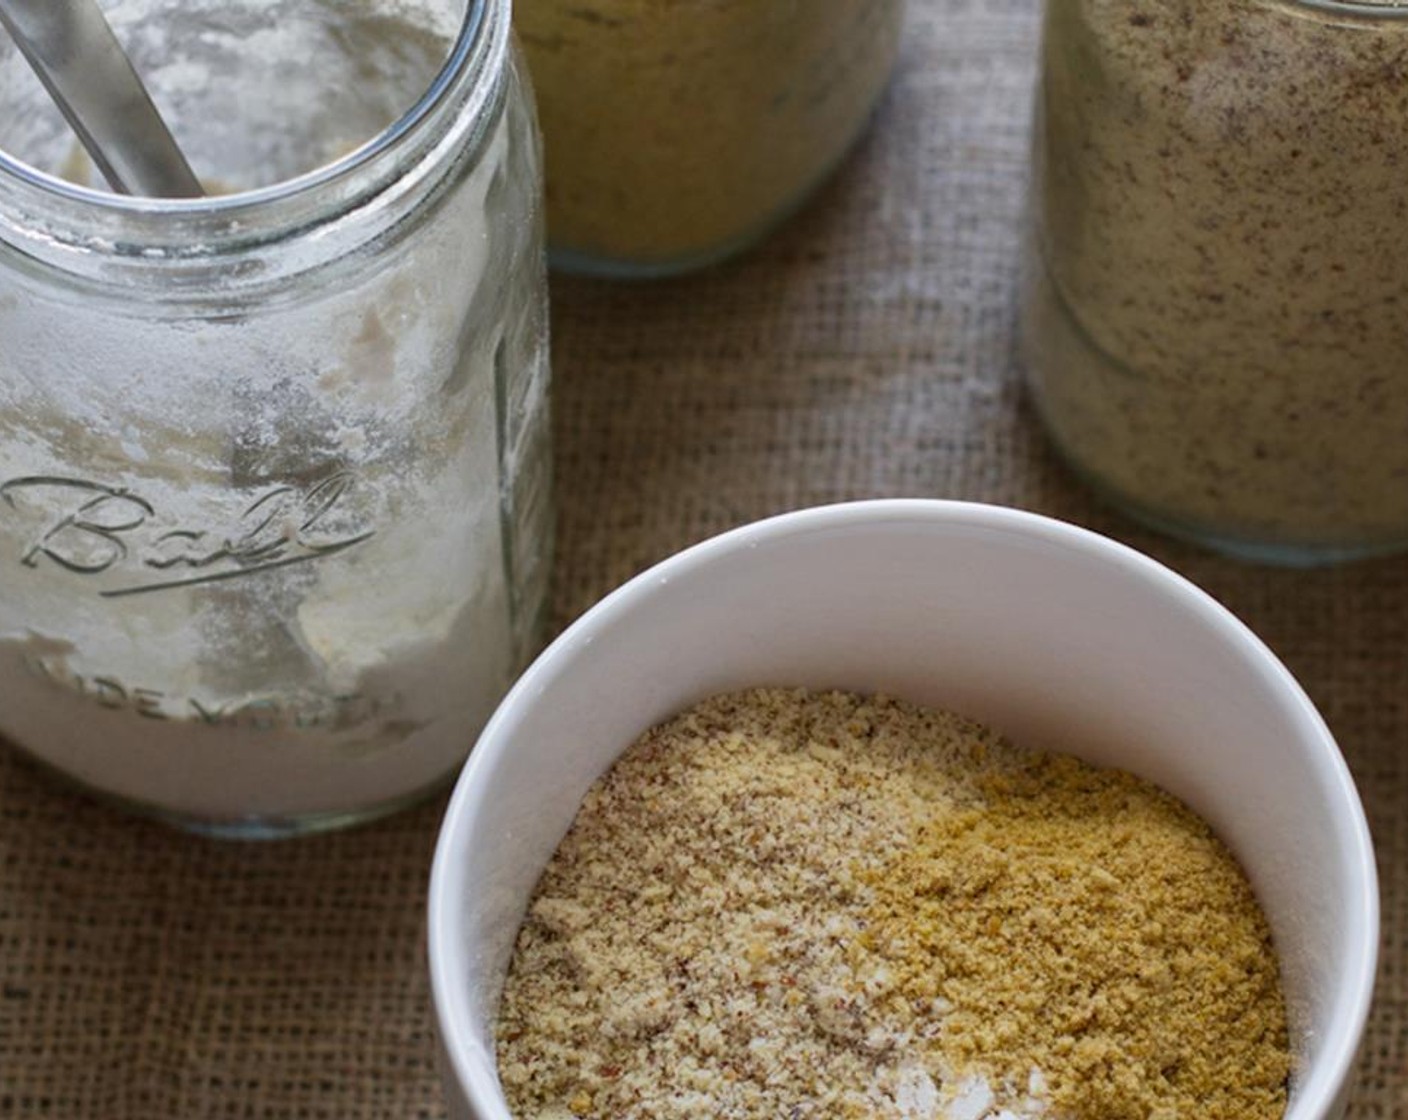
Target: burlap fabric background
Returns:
[[867, 350]]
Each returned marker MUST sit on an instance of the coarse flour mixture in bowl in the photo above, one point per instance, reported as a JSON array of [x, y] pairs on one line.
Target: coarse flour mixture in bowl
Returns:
[[1056, 639]]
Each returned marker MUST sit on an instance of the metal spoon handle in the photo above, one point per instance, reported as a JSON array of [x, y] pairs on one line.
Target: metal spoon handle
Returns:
[[75, 54]]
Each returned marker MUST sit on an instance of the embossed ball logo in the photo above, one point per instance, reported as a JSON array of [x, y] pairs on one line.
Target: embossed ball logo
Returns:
[[93, 529]]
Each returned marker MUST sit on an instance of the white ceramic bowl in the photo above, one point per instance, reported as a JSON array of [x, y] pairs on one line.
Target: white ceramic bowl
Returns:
[[1061, 638]]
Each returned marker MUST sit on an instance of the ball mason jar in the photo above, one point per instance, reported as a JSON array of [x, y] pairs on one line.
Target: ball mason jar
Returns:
[[680, 133], [1215, 290], [274, 475]]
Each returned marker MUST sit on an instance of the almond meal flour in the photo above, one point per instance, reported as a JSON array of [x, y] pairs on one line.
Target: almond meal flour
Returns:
[[795, 904], [1214, 318]]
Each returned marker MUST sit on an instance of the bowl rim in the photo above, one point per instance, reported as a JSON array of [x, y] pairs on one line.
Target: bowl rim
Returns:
[[446, 948]]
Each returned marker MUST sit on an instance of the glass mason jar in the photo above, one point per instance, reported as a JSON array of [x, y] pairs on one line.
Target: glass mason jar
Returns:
[[680, 133], [1215, 293], [274, 493]]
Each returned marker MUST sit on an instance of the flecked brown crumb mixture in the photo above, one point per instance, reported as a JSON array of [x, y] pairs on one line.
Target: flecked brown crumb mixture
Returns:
[[799, 905]]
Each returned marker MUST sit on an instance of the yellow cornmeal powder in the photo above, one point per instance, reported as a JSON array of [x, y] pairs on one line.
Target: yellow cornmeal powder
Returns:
[[825, 905], [674, 131], [1086, 924]]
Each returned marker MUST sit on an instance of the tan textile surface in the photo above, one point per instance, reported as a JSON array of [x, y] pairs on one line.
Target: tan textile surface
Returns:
[[866, 350]]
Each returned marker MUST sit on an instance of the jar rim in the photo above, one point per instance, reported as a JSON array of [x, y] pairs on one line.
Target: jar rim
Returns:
[[1385, 11], [469, 38]]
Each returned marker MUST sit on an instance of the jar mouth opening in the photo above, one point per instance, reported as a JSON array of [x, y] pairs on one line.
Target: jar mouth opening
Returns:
[[467, 41]]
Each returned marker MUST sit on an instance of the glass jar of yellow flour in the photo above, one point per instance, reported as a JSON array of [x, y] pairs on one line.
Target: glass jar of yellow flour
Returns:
[[679, 133], [274, 472], [1216, 282]]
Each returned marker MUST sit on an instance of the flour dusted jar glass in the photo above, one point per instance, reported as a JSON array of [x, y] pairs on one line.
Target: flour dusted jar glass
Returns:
[[274, 494], [678, 133], [1216, 291]]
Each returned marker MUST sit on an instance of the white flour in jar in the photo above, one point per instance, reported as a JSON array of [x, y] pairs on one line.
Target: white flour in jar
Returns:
[[293, 584]]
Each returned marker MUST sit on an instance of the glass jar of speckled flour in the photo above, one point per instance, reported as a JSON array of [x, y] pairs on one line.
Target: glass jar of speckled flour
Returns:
[[1215, 297], [274, 508]]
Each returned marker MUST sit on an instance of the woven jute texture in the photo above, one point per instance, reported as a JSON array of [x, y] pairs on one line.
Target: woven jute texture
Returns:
[[866, 350]]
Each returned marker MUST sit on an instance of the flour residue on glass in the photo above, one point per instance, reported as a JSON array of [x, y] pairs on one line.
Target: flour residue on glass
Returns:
[[272, 534]]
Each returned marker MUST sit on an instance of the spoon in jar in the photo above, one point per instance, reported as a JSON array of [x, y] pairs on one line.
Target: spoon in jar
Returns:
[[72, 49]]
